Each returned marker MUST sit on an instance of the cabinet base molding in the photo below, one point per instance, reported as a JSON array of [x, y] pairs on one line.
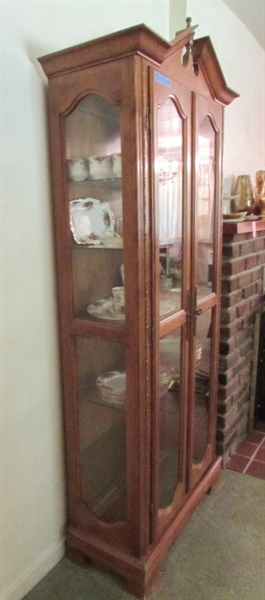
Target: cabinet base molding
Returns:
[[139, 574]]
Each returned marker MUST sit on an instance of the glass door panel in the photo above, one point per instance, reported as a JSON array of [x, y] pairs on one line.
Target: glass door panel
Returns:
[[94, 175], [170, 125], [169, 169], [202, 361], [205, 210], [170, 417], [101, 390]]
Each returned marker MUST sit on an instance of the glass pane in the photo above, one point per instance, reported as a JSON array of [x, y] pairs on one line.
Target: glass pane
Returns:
[[169, 169], [206, 194], [202, 383], [101, 380], [169, 453], [96, 275], [94, 169]]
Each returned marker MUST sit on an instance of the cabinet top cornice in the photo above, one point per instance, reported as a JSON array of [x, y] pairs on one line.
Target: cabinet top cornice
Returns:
[[142, 41], [204, 55], [135, 40]]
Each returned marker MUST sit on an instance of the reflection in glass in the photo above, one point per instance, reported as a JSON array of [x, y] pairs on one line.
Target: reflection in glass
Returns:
[[202, 384], [169, 168], [94, 169], [169, 379], [92, 132], [101, 381], [206, 192]]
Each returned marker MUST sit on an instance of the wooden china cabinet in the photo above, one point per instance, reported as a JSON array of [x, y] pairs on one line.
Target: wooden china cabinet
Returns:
[[136, 126]]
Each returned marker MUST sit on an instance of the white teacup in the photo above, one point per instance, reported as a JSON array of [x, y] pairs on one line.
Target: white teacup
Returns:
[[116, 164], [77, 169], [118, 299], [100, 167]]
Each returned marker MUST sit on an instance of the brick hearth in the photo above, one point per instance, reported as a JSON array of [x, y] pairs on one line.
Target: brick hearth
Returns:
[[243, 263]]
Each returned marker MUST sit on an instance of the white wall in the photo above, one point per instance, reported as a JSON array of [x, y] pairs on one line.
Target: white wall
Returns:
[[33, 505], [177, 17], [242, 61]]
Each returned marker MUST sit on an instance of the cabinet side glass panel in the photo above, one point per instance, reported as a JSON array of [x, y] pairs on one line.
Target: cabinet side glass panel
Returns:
[[169, 170], [170, 416], [205, 195], [101, 389], [203, 362], [94, 176]]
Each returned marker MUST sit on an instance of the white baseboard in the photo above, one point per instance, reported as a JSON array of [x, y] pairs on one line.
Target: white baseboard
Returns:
[[27, 580]]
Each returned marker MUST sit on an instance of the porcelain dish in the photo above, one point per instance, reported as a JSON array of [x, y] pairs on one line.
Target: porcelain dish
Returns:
[[103, 309], [90, 220], [100, 167], [111, 239]]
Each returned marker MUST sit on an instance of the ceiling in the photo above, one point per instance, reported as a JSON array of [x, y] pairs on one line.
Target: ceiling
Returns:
[[252, 14]]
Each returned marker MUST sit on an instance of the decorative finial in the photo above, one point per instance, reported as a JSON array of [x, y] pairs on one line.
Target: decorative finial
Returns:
[[188, 53]]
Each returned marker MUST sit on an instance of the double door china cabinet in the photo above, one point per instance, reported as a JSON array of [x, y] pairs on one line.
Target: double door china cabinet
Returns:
[[135, 128]]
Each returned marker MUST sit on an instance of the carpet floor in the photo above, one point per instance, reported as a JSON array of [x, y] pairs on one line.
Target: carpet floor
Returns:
[[220, 555]]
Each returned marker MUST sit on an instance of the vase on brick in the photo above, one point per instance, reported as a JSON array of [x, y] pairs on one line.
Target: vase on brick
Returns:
[[260, 191], [244, 199]]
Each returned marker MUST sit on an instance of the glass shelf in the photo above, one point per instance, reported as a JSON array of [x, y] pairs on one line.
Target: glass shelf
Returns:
[[100, 246], [112, 181]]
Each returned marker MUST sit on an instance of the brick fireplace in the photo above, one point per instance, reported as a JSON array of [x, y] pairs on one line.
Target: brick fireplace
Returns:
[[242, 295]]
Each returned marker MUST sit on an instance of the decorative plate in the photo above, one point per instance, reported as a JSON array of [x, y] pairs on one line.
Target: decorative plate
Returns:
[[89, 219]]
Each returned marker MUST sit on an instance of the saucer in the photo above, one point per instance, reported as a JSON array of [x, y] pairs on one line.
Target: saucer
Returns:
[[103, 309]]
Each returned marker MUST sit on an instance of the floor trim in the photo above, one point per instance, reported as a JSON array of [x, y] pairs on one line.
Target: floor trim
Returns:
[[27, 580]]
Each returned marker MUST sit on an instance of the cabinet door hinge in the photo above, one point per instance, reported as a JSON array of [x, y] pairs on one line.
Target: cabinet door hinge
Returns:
[[148, 122]]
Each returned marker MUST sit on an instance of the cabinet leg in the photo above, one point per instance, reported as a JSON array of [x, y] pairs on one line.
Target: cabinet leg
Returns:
[[140, 588], [216, 484]]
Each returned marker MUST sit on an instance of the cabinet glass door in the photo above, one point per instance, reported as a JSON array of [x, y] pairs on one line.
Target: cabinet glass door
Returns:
[[93, 163], [205, 206], [170, 197], [169, 358], [101, 388], [94, 185], [169, 170], [204, 297], [170, 381]]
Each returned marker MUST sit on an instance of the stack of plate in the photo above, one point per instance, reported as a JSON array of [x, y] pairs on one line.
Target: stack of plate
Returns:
[[166, 375], [198, 350], [111, 387]]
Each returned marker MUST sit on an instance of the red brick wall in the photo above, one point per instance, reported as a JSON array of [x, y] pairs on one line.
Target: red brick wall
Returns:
[[243, 261]]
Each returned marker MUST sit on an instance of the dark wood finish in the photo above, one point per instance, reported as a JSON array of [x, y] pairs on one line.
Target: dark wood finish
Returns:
[[243, 227], [136, 471]]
